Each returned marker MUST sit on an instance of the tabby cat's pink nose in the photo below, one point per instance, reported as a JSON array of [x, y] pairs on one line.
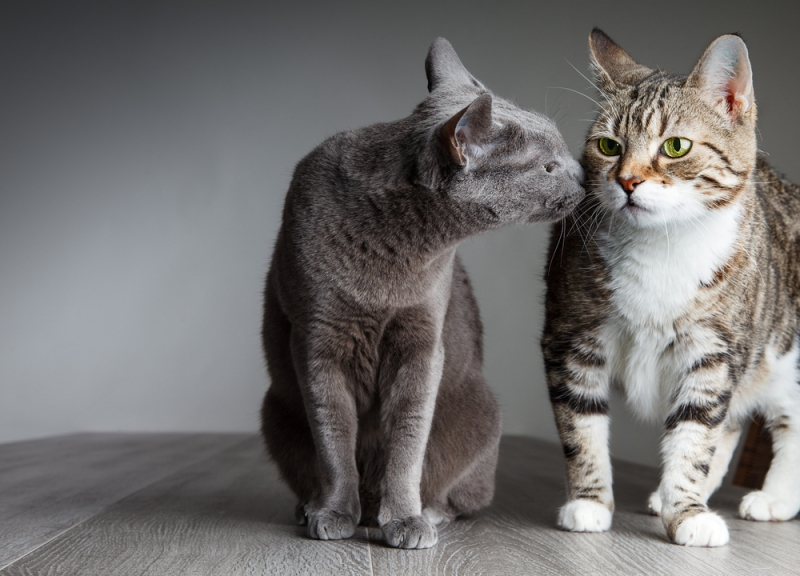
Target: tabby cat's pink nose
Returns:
[[628, 184]]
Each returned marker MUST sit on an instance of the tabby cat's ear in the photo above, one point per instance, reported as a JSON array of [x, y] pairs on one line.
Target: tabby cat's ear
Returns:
[[612, 65], [724, 77], [442, 66], [467, 135]]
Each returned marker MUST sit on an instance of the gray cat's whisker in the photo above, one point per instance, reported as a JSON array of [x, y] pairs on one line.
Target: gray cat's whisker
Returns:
[[578, 92], [608, 100]]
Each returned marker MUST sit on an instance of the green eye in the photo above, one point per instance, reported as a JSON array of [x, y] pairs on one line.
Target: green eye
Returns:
[[676, 147], [609, 147]]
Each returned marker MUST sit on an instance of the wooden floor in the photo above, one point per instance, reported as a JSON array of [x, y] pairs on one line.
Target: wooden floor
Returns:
[[108, 504]]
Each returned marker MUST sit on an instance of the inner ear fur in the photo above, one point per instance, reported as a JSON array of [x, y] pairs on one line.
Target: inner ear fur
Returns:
[[467, 133], [724, 77]]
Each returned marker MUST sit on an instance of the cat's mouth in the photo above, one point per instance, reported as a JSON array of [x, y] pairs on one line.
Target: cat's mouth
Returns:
[[632, 207]]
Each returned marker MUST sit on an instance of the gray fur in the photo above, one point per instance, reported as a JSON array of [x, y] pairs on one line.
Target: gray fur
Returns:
[[377, 409]]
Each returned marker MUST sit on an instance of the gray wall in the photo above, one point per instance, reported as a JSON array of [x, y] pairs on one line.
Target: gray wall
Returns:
[[145, 149]]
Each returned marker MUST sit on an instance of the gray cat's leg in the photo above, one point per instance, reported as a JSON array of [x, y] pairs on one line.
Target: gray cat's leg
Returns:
[[474, 490], [335, 511], [779, 498], [284, 424], [578, 388], [406, 428], [288, 438], [410, 375], [469, 493], [718, 468], [461, 461]]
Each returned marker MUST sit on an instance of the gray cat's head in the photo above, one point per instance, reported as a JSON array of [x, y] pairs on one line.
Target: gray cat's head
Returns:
[[513, 164]]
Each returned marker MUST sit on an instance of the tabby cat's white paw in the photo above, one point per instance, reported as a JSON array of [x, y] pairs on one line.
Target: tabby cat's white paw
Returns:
[[584, 516], [704, 529], [654, 504], [760, 505]]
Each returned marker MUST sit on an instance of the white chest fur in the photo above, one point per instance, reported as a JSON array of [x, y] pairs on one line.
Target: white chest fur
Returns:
[[655, 275]]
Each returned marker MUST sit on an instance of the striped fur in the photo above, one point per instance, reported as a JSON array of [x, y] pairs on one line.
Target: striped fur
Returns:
[[684, 293]]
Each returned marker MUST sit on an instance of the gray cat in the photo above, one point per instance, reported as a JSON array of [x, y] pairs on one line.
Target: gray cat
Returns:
[[377, 409]]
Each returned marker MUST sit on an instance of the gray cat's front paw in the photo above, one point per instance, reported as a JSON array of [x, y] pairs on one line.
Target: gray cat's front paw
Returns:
[[328, 524], [410, 532]]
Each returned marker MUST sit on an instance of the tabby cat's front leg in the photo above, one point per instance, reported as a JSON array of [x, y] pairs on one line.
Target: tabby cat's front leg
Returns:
[[694, 428], [578, 387]]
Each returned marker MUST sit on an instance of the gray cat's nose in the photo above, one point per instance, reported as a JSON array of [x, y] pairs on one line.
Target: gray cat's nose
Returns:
[[576, 171]]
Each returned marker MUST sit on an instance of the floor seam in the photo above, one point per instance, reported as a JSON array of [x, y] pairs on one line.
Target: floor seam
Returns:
[[369, 554], [110, 504], [59, 535]]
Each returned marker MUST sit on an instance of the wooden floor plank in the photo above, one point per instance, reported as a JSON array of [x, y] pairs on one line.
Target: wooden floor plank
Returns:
[[517, 534], [49, 485], [756, 547], [228, 515]]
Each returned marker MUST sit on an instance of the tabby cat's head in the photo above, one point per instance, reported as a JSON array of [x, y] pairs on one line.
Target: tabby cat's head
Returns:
[[667, 147]]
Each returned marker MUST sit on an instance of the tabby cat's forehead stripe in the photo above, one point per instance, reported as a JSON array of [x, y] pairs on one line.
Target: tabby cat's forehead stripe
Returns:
[[643, 104]]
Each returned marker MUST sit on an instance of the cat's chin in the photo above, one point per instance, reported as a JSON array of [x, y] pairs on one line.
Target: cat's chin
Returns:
[[556, 213], [636, 213], [641, 217]]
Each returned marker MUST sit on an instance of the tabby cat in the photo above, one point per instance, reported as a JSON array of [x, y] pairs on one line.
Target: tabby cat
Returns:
[[677, 280], [377, 409]]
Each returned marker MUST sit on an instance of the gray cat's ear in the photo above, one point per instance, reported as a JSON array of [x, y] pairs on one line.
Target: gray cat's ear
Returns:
[[724, 77], [467, 135], [442, 66], [612, 65]]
